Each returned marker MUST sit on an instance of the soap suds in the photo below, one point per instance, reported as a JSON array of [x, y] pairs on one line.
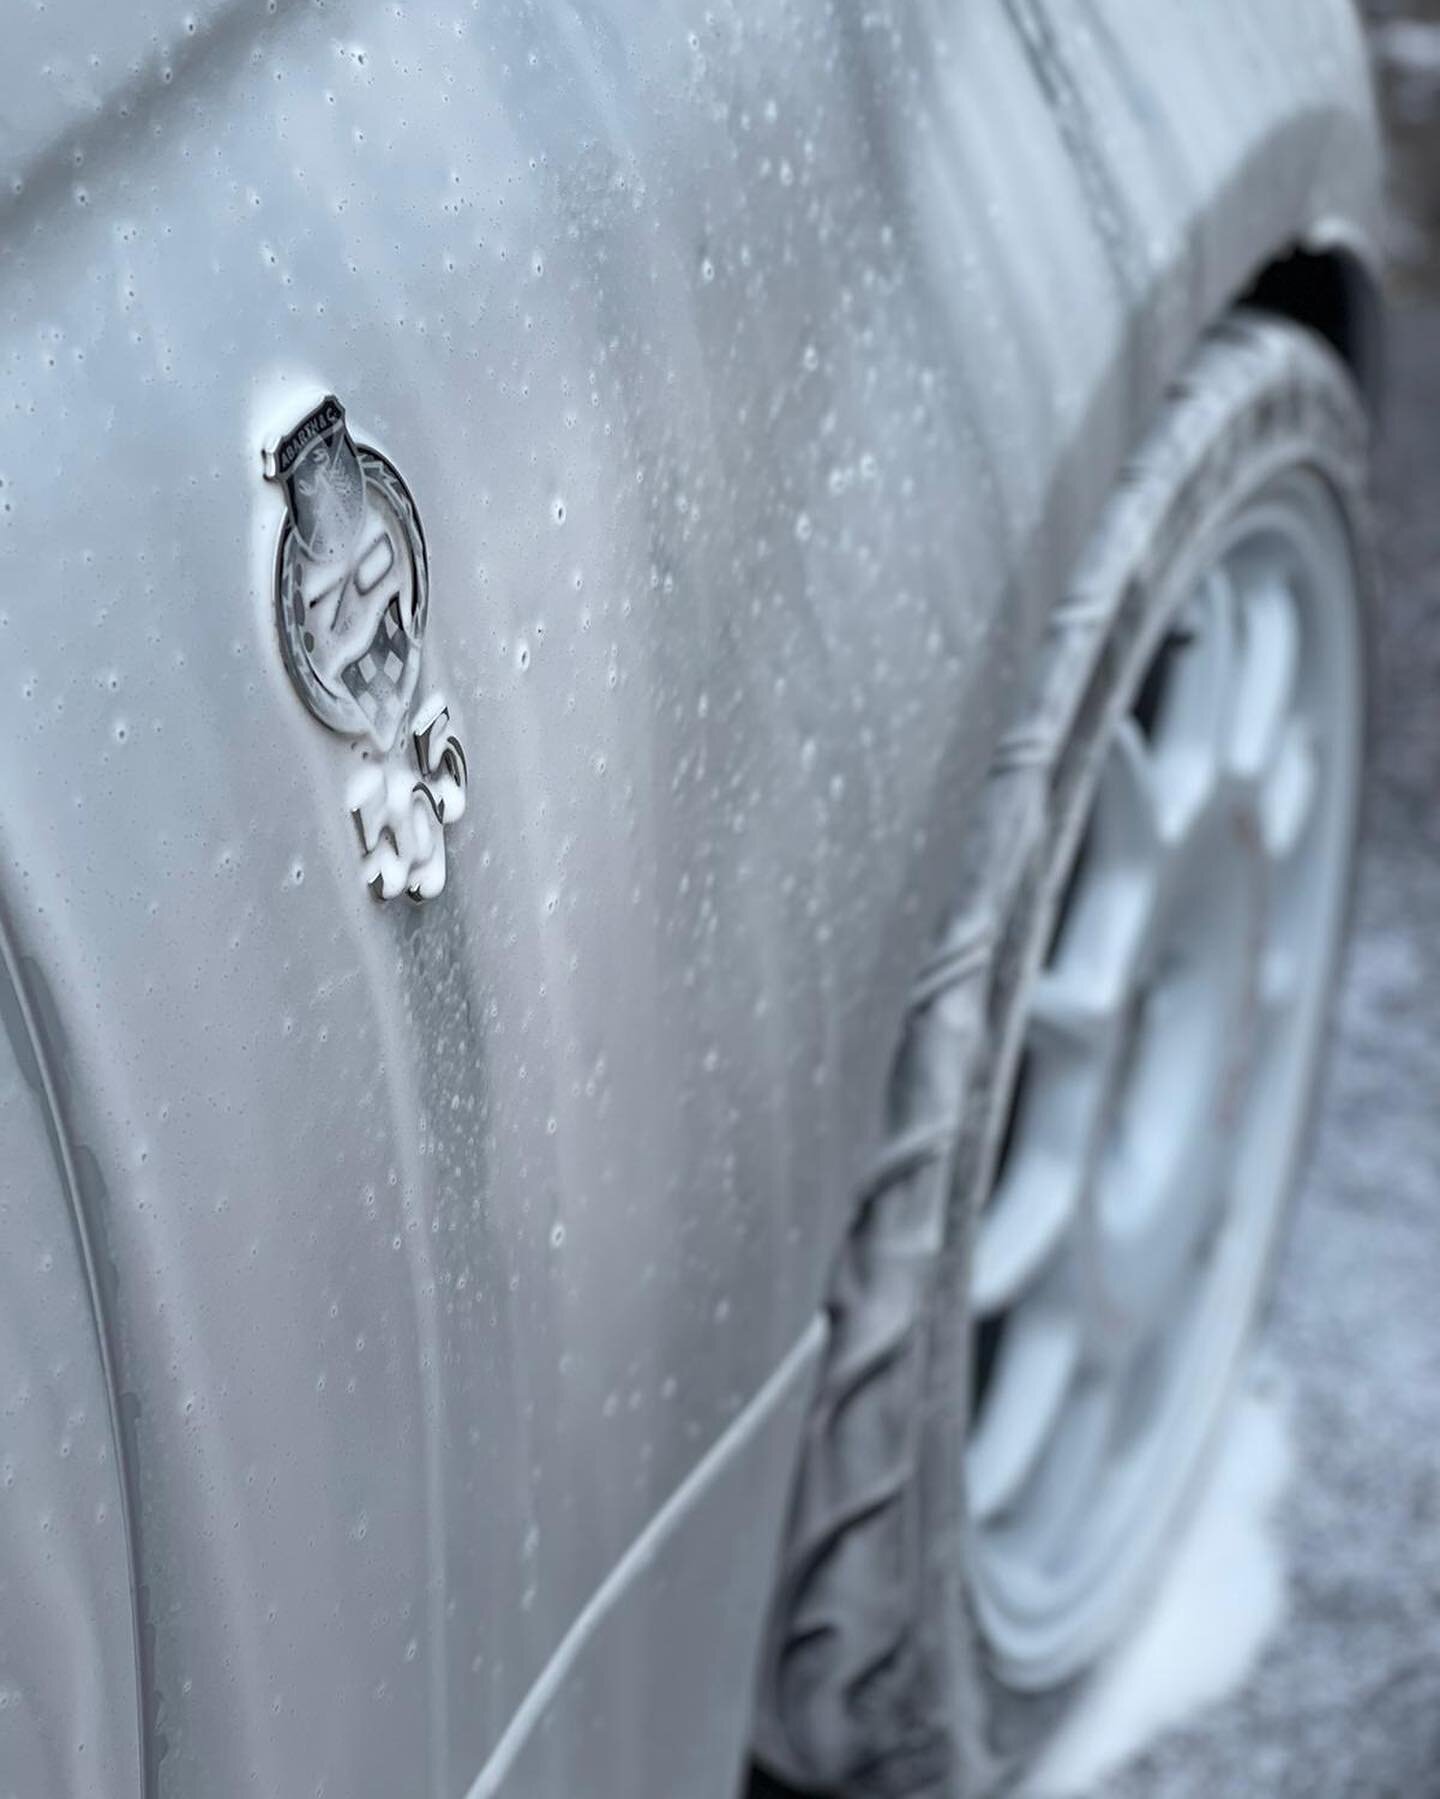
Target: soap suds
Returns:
[[1221, 1595]]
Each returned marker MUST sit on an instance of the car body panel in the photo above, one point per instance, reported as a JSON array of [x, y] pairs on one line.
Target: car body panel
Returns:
[[649, 1690], [758, 380], [69, 1698]]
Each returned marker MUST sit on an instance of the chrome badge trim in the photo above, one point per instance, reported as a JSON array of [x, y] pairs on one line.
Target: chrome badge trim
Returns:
[[352, 592]]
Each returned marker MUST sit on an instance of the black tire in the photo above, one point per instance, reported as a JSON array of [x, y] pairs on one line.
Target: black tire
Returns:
[[877, 1680]]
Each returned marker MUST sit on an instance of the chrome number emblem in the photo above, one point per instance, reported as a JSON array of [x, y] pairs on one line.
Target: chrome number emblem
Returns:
[[352, 588]]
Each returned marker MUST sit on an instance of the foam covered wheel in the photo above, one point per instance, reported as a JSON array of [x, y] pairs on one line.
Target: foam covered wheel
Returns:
[[1098, 1105]]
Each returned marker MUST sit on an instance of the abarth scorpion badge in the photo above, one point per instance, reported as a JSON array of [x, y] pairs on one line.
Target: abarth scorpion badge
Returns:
[[352, 588]]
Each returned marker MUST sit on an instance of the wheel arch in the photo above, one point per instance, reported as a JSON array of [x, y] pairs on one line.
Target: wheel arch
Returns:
[[837, 1739], [1331, 286]]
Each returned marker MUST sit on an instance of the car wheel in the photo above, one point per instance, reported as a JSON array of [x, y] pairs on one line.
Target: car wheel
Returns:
[[1098, 1103]]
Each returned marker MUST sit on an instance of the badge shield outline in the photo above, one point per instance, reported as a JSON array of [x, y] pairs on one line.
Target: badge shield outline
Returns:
[[351, 578]]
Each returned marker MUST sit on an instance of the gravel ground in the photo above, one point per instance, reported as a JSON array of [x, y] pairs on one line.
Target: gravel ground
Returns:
[[1346, 1698]]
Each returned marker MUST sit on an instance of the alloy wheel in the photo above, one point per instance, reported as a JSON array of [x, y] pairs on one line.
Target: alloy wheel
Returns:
[[1147, 1134]]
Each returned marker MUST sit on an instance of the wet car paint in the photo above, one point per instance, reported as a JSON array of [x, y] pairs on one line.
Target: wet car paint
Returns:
[[757, 381]]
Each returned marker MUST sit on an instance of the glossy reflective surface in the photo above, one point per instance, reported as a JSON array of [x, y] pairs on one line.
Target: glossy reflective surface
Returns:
[[757, 378]]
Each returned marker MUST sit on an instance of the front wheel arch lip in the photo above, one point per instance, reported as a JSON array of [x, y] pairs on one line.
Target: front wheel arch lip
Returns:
[[1328, 280]]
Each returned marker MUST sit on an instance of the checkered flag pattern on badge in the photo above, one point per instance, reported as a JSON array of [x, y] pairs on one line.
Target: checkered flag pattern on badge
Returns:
[[382, 682]]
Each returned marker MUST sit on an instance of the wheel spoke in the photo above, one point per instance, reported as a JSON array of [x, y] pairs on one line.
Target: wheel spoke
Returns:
[[1192, 723], [1032, 1209], [1075, 1007], [1266, 683], [1287, 793], [1077, 1001], [1155, 1202], [1127, 808], [1220, 645], [1137, 1387], [1037, 1362]]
